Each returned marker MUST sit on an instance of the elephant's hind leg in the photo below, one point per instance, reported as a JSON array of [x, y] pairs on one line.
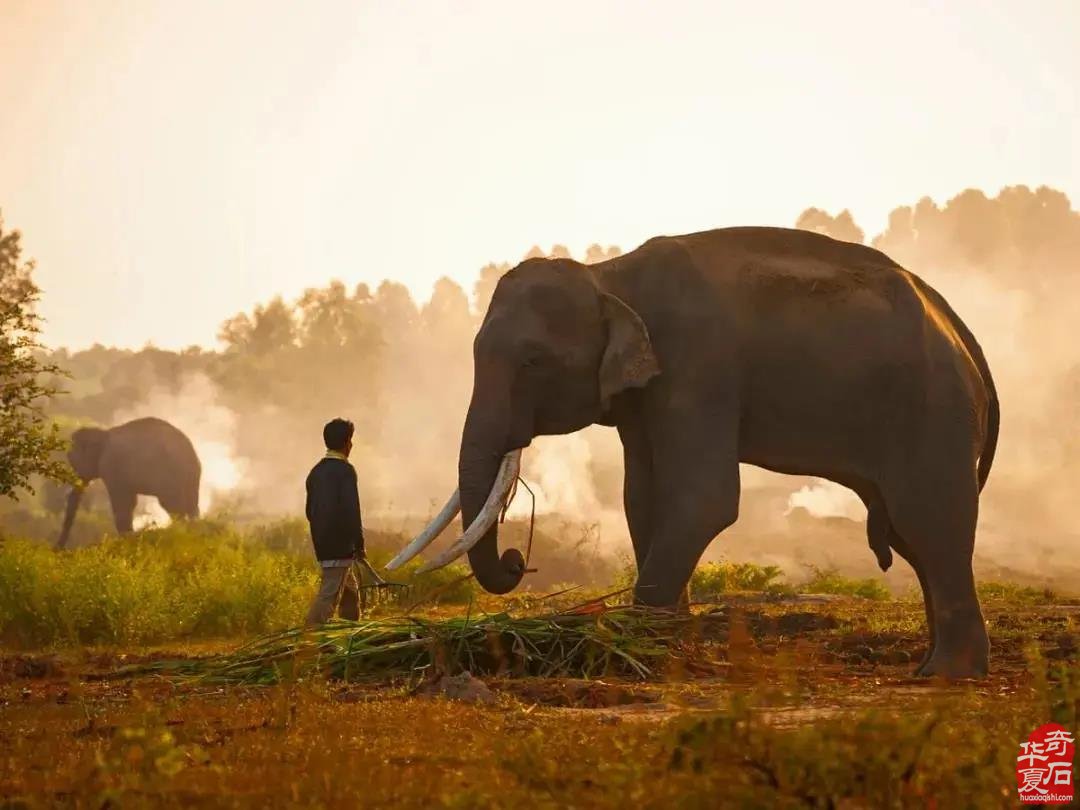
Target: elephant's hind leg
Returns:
[[935, 524], [179, 507], [882, 534]]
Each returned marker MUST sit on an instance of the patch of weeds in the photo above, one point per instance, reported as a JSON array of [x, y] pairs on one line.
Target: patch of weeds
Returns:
[[869, 759], [1015, 594], [140, 757], [830, 581], [713, 579]]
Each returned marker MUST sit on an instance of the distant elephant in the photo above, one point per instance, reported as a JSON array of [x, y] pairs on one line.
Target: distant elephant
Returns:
[[780, 348], [142, 457]]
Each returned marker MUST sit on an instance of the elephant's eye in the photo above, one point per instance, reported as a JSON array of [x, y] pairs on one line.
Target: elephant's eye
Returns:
[[533, 360]]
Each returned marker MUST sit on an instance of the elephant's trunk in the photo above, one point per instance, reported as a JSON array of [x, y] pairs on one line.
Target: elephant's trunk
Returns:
[[73, 500], [477, 473]]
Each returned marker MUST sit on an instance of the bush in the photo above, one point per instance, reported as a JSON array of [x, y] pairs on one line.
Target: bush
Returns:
[[830, 581], [191, 580], [1012, 592], [713, 579]]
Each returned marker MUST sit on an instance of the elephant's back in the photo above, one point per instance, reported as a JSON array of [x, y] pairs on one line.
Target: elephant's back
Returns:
[[786, 261], [150, 442]]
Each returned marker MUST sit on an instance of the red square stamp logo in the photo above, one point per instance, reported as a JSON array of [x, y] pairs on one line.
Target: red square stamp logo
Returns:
[[1044, 769]]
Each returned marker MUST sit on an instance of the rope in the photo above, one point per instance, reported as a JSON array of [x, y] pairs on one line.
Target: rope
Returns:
[[532, 518], [532, 522]]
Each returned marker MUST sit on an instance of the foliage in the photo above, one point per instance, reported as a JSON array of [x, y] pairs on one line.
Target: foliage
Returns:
[[875, 758], [713, 579], [1012, 592], [831, 581], [841, 227], [191, 580], [28, 443]]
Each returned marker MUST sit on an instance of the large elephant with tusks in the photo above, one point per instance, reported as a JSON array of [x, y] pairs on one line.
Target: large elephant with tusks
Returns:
[[779, 348], [142, 457]]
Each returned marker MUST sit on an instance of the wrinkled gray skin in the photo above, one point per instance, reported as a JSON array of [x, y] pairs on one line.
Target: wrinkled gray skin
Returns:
[[779, 348], [142, 457]]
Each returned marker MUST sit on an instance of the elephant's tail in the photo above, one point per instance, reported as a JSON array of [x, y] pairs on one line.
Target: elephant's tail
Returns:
[[993, 410]]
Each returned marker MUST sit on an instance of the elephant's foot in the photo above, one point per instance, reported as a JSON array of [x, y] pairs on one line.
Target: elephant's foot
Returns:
[[961, 651], [925, 660], [955, 667]]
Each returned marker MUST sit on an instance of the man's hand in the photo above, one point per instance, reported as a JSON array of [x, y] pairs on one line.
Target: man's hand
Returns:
[[371, 571]]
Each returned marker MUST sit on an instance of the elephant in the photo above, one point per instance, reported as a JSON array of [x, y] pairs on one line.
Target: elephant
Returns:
[[143, 457], [780, 348]]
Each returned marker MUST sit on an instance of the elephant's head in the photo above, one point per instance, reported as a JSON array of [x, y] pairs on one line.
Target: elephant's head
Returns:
[[552, 351], [84, 457], [85, 453]]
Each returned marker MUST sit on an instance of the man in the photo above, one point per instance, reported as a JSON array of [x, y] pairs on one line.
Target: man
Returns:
[[337, 532]]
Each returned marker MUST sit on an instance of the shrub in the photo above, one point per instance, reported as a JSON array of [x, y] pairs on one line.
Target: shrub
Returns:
[[831, 581], [191, 580], [716, 578], [1012, 592]]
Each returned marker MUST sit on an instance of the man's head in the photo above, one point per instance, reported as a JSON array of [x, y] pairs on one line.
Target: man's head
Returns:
[[337, 434]]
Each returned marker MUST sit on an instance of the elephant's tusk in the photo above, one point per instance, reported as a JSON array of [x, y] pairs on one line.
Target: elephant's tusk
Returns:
[[433, 530], [496, 500]]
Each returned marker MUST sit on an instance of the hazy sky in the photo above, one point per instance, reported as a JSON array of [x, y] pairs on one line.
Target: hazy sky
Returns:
[[172, 163]]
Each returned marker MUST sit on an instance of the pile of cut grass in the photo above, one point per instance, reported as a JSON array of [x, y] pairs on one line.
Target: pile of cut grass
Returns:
[[587, 642]]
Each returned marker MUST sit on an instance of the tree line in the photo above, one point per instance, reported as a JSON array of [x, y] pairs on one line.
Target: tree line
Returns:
[[401, 369]]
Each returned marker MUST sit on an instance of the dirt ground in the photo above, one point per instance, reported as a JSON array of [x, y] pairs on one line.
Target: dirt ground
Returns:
[[73, 734]]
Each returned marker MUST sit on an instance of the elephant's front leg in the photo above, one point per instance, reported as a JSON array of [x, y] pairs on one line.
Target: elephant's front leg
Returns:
[[694, 496], [123, 500], [637, 488]]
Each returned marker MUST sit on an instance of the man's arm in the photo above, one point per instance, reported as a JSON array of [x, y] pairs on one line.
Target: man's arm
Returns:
[[351, 504]]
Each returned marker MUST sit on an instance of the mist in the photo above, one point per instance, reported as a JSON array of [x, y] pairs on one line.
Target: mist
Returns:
[[402, 371]]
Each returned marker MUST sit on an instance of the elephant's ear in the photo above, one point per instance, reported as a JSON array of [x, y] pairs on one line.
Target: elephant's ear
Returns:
[[629, 361]]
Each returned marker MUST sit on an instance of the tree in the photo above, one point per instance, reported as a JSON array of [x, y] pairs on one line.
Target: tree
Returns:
[[29, 443], [1030, 237], [484, 288], [841, 227]]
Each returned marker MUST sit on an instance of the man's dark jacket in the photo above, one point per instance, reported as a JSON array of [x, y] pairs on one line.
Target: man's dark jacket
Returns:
[[333, 510]]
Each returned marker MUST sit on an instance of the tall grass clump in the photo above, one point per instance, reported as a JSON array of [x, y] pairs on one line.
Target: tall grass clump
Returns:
[[830, 581], [190, 580], [1016, 593], [713, 579]]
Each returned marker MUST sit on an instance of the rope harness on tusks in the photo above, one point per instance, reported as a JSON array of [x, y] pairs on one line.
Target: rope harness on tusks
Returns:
[[381, 592], [532, 518]]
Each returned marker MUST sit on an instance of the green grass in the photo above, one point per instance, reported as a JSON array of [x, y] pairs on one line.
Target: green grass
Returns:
[[212, 579], [830, 581], [713, 579], [192, 580], [1014, 593], [959, 753]]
